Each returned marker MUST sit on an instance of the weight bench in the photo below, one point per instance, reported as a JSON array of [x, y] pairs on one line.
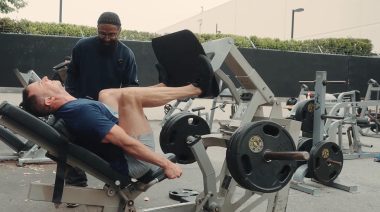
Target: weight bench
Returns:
[[119, 191]]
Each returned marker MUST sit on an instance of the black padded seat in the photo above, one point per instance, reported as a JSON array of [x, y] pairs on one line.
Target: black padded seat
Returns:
[[15, 143], [183, 58], [363, 122], [57, 144]]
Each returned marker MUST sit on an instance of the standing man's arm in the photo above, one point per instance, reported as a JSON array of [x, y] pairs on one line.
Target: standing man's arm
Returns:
[[73, 74], [129, 75]]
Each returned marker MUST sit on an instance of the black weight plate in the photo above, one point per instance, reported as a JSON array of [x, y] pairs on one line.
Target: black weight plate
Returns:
[[322, 169], [305, 114], [245, 160], [174, 133], [305, 144], [166, 130], [183, 195], [169, 122]]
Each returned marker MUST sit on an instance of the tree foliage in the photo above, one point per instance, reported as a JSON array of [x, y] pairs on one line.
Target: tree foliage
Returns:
[[7, 6]]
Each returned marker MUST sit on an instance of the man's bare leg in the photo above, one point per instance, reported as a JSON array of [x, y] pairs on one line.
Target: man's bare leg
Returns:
[[130, 102]]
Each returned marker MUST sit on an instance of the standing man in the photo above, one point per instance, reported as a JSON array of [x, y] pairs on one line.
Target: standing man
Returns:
[[98, 63], [101, 62]]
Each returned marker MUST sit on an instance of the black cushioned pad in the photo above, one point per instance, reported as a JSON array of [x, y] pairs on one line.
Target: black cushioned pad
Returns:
[[12, 141], [50, 139], [178, 53]]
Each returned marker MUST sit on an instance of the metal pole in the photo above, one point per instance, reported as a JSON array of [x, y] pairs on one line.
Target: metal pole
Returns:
[[319, 106], [60, 11], [294, 11], [291, 35]]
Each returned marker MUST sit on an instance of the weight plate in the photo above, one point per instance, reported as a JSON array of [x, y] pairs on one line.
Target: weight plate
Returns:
[[245, 160], [174, 133], [305, 114], [305, 144], [183, 195], [326, 161]]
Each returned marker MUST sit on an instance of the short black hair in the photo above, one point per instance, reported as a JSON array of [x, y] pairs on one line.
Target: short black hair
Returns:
[[109, 18], [30, 104]]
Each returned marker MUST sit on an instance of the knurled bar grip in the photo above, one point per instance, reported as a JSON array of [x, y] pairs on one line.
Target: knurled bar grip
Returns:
[[291, 155], [325, 82]]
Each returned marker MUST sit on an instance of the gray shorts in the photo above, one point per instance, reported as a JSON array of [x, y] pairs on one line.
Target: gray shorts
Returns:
[[138, 168]]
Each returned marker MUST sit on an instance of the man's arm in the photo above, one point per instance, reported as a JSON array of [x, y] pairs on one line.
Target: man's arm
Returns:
[[133, 147], [72, 74], [129, 75]]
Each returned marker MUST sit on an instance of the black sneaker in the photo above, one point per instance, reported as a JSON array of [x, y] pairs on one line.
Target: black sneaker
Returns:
[[162, 74], [206, 75]]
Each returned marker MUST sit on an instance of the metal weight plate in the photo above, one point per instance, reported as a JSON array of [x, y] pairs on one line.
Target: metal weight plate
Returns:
[[174, 133], [183, 195], [305, 114], [305, 144], [245, 160], [326, 161]]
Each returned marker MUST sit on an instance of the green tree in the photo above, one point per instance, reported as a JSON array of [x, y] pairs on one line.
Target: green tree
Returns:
[[7, 6]]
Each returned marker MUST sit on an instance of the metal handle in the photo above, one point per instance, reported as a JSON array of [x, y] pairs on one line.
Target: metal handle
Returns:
[[291, 155], [325, 82], [334, 162], [331, 117]]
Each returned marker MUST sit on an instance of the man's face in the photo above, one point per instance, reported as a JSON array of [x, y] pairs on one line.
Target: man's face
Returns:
[[108, 33], [45, 87]]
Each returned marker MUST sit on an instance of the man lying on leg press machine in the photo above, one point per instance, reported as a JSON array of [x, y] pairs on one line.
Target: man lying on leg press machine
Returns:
[[94, 126]]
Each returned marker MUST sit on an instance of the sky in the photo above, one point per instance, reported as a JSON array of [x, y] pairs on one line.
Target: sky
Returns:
[[140, 15]]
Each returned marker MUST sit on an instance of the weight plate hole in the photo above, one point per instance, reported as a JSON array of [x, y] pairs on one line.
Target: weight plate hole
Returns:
[[271, 130], [193, 121], [246, 164], [284, 173]]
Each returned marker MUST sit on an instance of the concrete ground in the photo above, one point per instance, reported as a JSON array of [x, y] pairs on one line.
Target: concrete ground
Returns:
[[363, 173]]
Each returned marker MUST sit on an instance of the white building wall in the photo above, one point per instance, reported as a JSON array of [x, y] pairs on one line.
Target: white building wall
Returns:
[[272, 18]]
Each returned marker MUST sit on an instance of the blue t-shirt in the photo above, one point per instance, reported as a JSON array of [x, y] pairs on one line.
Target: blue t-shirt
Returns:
[[87, 119], [89, 122]]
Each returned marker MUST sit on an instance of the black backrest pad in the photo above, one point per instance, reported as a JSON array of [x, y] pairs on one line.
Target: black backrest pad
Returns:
[[179, 54], [11, 140], [50, 139]]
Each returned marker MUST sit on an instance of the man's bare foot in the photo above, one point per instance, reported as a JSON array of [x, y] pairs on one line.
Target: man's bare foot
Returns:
[[197, 90]]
